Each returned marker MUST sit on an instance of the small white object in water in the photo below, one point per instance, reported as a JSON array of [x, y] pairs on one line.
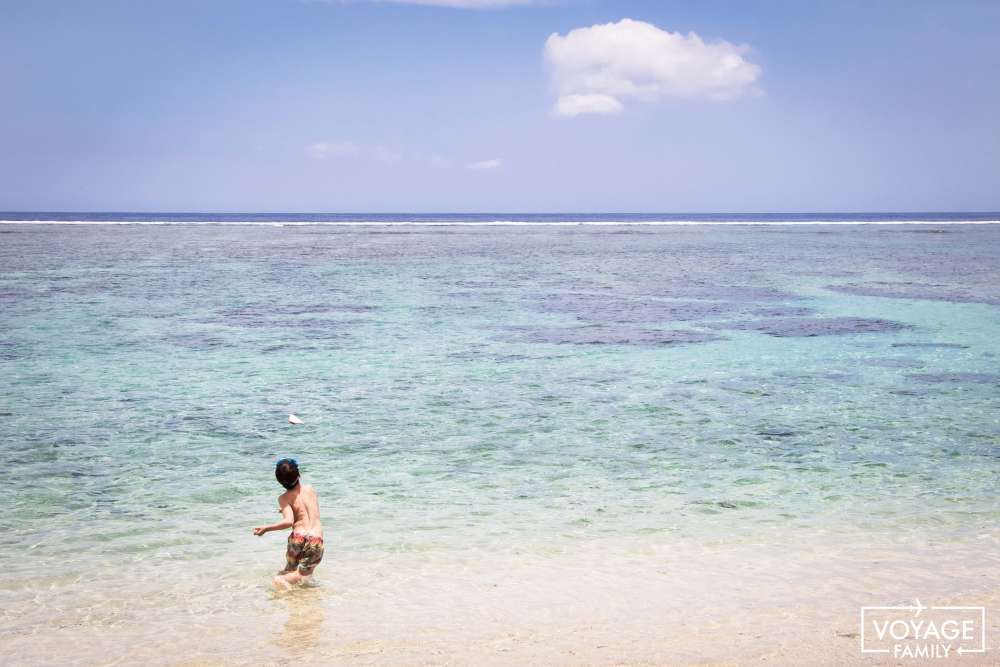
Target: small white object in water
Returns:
[[292, 419]]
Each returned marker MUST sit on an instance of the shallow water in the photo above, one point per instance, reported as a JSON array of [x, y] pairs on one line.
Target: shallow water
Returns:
[[470, 393]]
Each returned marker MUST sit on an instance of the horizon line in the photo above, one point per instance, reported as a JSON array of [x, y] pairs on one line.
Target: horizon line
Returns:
[[489, 212]]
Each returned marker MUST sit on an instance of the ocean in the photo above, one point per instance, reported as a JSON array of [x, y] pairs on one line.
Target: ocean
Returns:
[[524, 429]]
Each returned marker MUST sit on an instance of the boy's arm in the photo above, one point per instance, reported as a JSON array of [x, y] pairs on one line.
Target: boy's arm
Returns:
[[287, 520]]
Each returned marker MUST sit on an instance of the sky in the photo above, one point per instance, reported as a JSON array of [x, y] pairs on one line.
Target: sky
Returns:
[[499, 106]]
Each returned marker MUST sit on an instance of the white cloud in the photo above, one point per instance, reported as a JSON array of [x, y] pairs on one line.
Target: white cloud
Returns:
[[595, 68], [484, 164], [572, 105], [321, 150]]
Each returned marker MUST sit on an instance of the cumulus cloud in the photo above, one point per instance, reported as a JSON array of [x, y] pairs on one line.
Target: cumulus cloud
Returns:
[[594, 69], [484, 164], [572, 105]]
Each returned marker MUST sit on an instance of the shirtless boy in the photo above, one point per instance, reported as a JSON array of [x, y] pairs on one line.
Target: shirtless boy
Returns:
[[299, 507]]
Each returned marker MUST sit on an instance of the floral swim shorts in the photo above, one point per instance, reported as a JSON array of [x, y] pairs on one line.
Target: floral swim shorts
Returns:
[[304, 553]]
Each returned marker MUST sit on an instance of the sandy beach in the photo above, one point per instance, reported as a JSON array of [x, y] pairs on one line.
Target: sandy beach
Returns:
[[597, 604]]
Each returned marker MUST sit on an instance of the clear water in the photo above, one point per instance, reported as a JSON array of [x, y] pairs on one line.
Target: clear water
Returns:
[[475, 390]]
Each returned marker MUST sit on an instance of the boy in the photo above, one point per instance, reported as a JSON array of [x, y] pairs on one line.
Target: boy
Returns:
[[299, 507]]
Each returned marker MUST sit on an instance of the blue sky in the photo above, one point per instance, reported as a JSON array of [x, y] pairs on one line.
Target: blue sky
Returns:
[[293, 105]]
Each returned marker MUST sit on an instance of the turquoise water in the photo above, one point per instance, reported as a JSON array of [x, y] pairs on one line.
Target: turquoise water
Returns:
[[497, 389]]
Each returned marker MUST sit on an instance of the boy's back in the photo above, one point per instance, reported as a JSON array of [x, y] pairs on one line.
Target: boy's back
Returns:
[[304, 503]]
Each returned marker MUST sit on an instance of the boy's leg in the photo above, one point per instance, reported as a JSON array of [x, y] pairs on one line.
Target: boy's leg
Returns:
[[286, 580], [293, 554]]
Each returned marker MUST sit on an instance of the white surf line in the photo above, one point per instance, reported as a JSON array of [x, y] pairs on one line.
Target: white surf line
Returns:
[[504, 223]]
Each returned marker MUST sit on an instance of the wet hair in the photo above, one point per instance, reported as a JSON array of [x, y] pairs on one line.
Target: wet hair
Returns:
[[287, 473]]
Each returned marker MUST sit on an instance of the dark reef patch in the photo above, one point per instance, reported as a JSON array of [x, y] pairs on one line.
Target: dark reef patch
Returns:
[[746, 386], [195, 341], [704, 290], [830, 273], [906, 391], [904, 290], [948, 346], [777, 432], [784, 311], [956, 378], [303, 309], [805, 379], [268, 310], [598, 308], [597, 335], [9, 350], [803, 327], [476, 284], [893, 362], [18, 294], [268, 317]]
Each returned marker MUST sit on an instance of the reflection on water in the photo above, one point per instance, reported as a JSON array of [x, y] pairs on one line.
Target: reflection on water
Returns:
[[301, 633]]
